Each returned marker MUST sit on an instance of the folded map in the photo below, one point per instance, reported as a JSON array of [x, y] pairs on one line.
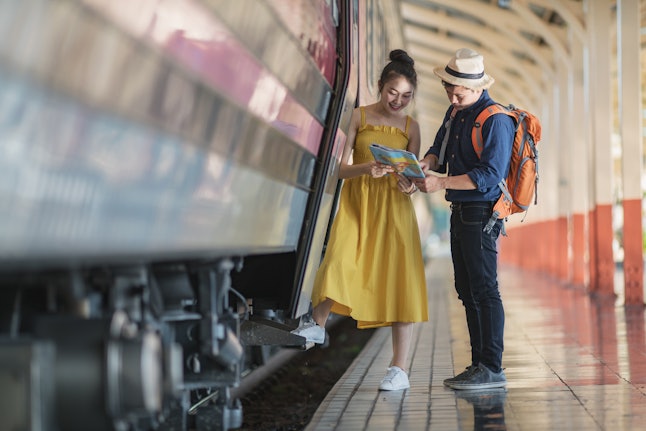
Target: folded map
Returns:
[[404, 162]]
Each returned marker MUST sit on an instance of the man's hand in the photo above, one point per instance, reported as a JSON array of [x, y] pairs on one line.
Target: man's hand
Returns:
[[430, 184], [429, 163]]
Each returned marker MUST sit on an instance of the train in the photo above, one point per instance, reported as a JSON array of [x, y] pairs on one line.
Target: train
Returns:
[[169, 176]]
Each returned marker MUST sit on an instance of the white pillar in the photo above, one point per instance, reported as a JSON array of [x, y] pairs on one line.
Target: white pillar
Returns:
[[630, 94], [580, 137], [598, 18], [564, 163]]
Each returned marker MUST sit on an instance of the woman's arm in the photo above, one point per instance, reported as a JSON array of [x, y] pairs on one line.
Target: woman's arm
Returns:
[[405, 184], [414, 139]]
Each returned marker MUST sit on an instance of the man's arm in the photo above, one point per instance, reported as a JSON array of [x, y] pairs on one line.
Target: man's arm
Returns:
[[433, 183]]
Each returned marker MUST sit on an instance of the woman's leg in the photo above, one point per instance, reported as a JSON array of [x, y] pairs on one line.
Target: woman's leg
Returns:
[[401, 335], [397, 376], [321, 312], [316, 333]]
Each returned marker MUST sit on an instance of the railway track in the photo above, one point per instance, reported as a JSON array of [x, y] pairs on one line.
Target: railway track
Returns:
[[285, 393]]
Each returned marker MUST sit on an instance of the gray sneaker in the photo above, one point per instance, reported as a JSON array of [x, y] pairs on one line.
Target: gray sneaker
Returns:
[[481, 378], [462, 376]]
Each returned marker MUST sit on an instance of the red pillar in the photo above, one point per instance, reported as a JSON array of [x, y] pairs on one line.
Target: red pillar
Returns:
[[633, 252], [578, 250], [602, 263], [563, 261]]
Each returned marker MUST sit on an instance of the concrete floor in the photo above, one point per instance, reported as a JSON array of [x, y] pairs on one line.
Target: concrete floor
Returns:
[[572, 363]]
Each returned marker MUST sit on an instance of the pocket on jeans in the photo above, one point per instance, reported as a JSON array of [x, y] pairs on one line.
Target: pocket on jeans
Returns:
[[474, 215]]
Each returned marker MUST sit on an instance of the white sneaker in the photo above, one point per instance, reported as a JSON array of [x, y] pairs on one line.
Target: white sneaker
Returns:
[[312, 332], [396, 379]]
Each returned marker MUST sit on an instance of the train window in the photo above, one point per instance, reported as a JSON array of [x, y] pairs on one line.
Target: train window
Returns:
[[334, 7], [355, 32], [376, 45]]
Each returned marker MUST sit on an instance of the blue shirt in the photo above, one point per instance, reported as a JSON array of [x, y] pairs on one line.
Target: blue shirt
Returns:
[[488, 170]]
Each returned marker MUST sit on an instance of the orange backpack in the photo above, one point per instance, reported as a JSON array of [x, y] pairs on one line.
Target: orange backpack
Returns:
[[521, 184]]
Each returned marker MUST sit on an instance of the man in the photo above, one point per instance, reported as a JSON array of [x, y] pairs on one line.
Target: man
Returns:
[[471, 187]]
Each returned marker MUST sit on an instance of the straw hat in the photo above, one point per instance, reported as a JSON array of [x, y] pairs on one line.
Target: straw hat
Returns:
[[466, 69]]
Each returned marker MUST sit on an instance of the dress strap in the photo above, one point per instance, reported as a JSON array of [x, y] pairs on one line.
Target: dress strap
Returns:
[[363, 116], [407, 123]]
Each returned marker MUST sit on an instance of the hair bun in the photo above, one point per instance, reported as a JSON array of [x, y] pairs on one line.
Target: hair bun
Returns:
[[401, 55]]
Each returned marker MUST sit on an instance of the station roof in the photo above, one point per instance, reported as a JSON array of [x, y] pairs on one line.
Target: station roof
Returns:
[[524, 43]]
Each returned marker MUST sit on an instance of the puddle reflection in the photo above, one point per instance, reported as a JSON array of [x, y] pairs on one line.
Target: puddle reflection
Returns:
[[488, 408]]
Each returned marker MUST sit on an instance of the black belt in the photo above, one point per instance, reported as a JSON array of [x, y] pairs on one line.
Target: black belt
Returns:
[[456, 206]]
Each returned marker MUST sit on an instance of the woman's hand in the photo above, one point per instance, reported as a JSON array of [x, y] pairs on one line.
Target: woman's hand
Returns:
[[378, 170], [405, 185]]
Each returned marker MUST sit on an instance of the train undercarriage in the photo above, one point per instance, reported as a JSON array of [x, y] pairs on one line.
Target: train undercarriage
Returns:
[[130, 348]]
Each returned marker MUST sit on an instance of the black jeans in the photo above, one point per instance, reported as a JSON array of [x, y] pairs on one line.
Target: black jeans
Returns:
[[475, 263]]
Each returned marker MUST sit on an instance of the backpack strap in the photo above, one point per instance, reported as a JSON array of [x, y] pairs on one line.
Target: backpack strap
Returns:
[[478, 145], [445, 141], [476, 132]]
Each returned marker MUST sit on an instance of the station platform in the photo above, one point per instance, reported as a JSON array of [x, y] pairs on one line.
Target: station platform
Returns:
[[572, 363]]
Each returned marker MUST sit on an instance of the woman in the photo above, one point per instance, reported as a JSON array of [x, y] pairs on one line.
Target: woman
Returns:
[[373, 269]]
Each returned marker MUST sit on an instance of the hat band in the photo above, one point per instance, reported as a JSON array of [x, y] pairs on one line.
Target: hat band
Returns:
[[463, 75]]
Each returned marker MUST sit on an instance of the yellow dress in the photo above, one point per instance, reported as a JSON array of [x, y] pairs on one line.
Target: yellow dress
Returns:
[[373, 267]]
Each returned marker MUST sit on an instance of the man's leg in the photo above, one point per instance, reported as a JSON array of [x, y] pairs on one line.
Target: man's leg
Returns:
[[461, 256], [481, 295], [475, 262]]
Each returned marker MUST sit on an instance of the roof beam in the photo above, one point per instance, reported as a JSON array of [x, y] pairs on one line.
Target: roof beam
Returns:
[[504, 21]]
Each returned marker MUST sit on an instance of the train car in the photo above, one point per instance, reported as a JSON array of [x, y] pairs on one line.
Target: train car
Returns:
[[169, 173]]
